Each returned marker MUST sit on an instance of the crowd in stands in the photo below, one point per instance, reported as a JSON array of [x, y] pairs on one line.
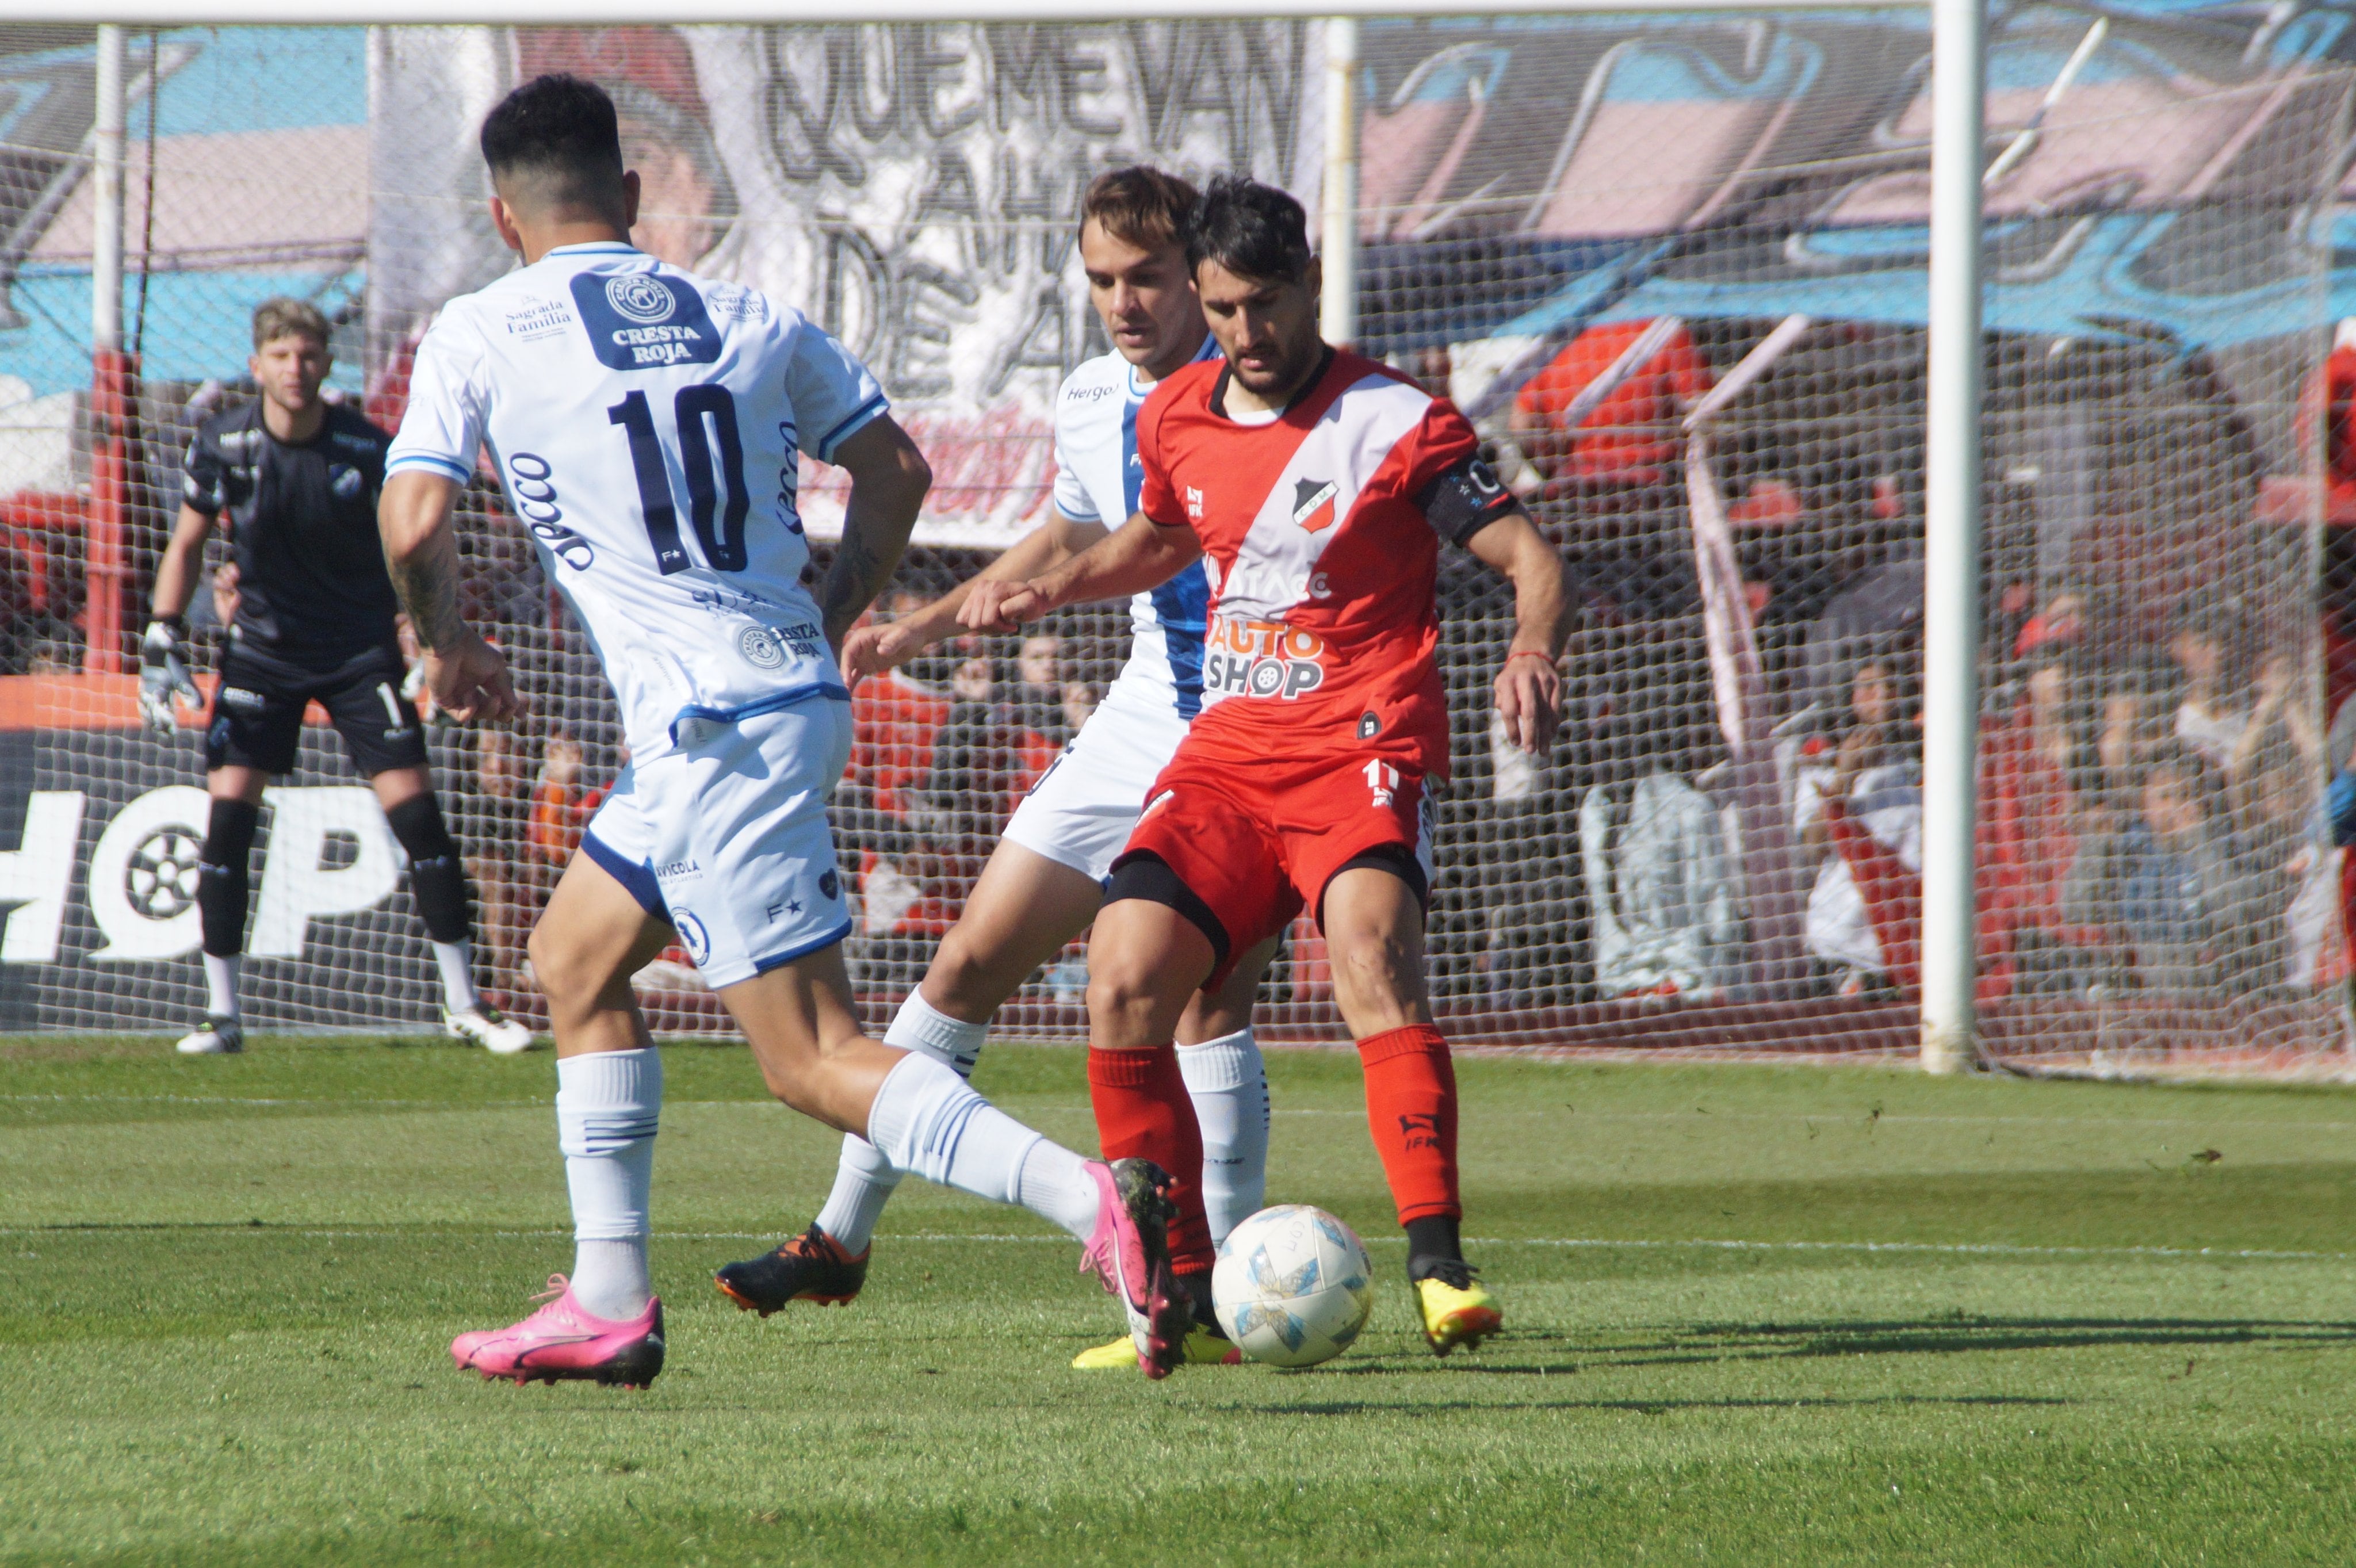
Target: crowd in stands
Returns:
[[2149, 823], [2152, 820]]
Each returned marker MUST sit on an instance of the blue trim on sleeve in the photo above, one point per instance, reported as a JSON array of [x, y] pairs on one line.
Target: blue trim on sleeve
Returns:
[[1183, 605], [834, 690], [779, 961], [850, 427], [2339, 800], [447, 467], [635, 876]]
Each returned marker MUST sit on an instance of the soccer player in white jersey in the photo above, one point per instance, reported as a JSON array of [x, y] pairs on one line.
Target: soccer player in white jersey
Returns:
[[1046, 877], [648, 427]]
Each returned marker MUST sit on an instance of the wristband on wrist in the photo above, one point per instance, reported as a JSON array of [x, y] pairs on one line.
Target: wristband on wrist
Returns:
[[176, 624], [1529, 653]]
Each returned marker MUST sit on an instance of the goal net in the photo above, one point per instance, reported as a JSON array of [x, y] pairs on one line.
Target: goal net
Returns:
[[1673, 265]]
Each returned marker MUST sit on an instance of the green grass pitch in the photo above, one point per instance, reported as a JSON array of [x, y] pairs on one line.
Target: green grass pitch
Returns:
[[1755, 1316]]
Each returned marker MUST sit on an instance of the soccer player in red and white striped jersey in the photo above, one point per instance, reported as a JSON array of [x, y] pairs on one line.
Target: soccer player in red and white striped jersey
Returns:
[[1316, 486]]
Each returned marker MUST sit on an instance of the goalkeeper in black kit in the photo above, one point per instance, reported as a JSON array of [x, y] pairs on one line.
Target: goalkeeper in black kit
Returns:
[[293, 480]]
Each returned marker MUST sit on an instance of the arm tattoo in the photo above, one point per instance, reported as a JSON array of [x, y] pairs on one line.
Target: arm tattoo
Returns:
[[876, 521], [860, 572], [427, 583]]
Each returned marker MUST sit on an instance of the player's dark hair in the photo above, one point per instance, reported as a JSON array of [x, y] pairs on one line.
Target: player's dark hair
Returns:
[[1254, 230], [560, 134], [1138, 205]]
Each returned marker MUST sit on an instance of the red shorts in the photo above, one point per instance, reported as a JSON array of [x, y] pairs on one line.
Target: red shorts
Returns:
[[1258, 841]]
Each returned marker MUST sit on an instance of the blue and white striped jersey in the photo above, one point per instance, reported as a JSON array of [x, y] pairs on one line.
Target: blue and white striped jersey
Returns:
[[648, 427], [1096, 476]]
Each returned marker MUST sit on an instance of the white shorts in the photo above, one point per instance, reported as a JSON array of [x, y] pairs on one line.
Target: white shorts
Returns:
[[727, 839], [1080, 812]]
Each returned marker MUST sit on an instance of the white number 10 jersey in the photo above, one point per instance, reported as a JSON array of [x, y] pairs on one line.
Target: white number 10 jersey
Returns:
[[648, 427]]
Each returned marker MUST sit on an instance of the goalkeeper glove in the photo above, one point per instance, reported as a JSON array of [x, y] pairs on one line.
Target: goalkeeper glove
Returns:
[[164, 673]]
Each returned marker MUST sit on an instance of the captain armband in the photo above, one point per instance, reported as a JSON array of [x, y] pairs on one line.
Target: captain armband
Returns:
[[1465, 499]]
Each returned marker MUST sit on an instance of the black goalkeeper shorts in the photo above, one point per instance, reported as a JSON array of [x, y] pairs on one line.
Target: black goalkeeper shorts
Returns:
[[257, 719]]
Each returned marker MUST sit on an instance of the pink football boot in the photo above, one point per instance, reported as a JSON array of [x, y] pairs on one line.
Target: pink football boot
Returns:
[[561, 1340], [1130, 1251]]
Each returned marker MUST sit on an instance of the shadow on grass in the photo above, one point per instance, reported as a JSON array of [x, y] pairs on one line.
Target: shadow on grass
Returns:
[[1643, 1407], [1950, 1336]]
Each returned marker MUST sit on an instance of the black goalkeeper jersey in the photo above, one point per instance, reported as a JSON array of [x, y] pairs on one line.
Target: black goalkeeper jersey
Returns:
[[302, 520]]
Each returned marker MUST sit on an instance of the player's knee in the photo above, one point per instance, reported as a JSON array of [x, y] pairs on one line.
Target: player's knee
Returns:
[[437, 877], [1377, 976], [573, 978], [1123, 985], [958, 976], [418, 824]]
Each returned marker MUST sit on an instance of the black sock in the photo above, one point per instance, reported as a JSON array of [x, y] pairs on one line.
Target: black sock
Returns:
[[437, 882], [222, 875], [1432, 1244]]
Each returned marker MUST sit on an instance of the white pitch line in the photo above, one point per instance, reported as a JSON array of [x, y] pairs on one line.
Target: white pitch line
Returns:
[[1961, 1248], [1847, 1117], [1943, 1249], [1819, 1118], [338, 1104]]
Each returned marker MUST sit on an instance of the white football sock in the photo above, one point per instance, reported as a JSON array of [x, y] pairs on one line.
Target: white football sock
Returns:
[[1056, 1185], [920, 1026], [456, 962], [616, 1276], [607, 1103], [863, 1183], [927, 1119], [1229, 1084], [221, 985], [864, 1179]]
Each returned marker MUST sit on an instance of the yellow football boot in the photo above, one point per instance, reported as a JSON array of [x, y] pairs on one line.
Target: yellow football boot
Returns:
[[1456, 1315], [1202, 1349]]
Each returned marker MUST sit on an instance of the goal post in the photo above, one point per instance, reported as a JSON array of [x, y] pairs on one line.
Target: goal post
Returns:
[[1951, 508]]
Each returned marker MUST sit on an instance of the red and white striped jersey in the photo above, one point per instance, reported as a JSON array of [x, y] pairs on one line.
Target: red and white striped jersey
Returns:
[[1321, 530]]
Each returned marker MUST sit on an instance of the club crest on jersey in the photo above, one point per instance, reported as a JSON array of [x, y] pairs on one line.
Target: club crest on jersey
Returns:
[[691, 936], [345, 480], [759, 649], [638, 321], [641, 298], [1313, 504]]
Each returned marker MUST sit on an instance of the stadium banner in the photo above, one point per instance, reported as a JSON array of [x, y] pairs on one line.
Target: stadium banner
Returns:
[[99, 883], [914, 189]]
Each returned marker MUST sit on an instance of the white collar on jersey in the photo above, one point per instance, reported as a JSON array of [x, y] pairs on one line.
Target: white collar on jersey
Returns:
[[592, 247], [1209, 351]]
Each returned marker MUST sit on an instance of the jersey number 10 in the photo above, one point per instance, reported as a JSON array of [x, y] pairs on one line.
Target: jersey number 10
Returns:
[[721, 530]]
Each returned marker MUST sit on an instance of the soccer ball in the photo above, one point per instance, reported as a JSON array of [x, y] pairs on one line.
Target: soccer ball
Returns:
[[1293, 1285]]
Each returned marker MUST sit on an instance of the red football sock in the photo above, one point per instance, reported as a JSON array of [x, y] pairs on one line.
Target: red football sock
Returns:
[[1412, 1107], [1144, 1112]]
